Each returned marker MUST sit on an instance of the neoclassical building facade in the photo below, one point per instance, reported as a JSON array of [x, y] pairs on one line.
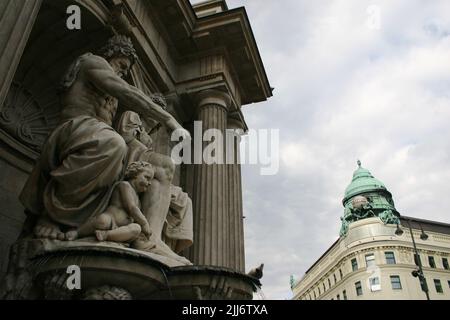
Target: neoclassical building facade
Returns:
[[374, 257], [203, 58]]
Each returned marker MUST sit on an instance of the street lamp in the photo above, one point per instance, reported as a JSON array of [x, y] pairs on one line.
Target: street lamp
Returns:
[[423, 235], [416, 273]]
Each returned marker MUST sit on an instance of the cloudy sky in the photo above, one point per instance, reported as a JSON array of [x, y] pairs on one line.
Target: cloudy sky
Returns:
[[349, 84]]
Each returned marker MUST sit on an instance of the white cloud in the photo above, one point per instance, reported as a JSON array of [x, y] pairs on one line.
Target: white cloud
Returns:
[[344, 91]]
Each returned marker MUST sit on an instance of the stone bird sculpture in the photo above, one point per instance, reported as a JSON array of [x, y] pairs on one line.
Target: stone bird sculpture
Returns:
[[256, 272]]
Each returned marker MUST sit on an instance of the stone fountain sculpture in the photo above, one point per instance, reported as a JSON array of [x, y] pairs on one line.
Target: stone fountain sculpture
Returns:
[[100, 199]]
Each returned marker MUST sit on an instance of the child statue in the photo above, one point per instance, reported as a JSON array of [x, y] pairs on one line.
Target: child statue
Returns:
[[123, 220], [167, 208]]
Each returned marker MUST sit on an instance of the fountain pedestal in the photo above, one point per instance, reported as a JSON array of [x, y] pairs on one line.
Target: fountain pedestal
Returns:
[[115, 272]]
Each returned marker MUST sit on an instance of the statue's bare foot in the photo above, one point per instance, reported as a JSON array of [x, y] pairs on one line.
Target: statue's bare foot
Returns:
[[160, 248], [184, 261], [101, 235], [71, 235], [169, 253], [142, 243], [180, 259], [47, 229]]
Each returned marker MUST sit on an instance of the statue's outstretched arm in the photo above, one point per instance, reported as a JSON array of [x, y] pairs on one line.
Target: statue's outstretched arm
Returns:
[[101, 74]]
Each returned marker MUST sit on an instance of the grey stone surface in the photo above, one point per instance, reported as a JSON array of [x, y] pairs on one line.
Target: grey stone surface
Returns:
[[110, 266], [210, 198], [235, 207], [11, 210], [180, 56], [16, 21]]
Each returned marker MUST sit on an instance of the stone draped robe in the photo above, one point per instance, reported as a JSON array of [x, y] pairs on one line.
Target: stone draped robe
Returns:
[[73, 179]]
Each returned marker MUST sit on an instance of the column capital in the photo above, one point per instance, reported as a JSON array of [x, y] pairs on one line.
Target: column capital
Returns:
[[213, 97], [233, 123]]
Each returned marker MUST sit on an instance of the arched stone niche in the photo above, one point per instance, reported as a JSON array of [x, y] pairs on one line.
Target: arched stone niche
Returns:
[[31, 109]]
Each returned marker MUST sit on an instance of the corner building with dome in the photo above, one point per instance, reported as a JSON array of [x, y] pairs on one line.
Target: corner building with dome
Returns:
[[376, 257]]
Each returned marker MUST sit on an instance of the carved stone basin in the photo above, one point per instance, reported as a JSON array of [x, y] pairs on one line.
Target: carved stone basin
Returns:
[[136, 274], [209, 283], [114, 272]]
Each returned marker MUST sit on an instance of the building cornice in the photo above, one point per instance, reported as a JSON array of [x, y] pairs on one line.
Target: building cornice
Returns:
[[345, 255], [189, 38]]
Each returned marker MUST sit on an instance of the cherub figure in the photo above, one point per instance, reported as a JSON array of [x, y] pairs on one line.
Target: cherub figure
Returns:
[[167, 208], [123, 220]]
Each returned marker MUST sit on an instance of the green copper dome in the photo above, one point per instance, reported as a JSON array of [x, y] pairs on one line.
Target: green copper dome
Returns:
[[367, 197], [363, 181]]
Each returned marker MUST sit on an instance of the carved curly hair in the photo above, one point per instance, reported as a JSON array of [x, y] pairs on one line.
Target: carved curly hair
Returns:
[[136, 167], [159, 99], [119, 46]]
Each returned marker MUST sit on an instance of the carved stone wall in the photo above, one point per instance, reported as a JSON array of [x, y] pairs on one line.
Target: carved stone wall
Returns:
[[14, 36], [31, 106], [179, 56], [11, 210], [23, 118]]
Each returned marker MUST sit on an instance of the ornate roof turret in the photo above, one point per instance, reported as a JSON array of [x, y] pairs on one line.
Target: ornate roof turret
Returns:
[[363, 181], [367, 197]]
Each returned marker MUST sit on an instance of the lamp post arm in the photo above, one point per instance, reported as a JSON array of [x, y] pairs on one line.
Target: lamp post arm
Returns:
[[419, 262]]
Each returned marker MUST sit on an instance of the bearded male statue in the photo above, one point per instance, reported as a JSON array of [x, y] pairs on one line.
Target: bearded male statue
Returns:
[[84, 156]]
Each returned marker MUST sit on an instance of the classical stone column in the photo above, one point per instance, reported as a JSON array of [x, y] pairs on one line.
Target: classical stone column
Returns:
[[237, 255], [16, 21], [210, 189]]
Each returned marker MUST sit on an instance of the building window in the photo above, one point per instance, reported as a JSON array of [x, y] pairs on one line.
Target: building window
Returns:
[[395, 282], [323, 287], [370, 260], [329, 283], [431, 262], [438, 286], [445, 263], [358, 288], [340, 274], [338, 297], [448, 282], [374, 284], [334, 276], [354, 264], [390, 257], [344, 294]]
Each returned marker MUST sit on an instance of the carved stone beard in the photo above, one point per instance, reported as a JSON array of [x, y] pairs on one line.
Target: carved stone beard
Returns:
[[121, 65], [107, 111]]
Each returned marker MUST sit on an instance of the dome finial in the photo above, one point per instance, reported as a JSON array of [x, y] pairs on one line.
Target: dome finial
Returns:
[[359, 163]]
